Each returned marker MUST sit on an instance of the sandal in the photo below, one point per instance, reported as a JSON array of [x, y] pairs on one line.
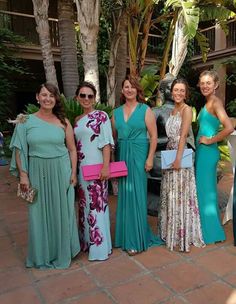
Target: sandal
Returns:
[[132, 252]]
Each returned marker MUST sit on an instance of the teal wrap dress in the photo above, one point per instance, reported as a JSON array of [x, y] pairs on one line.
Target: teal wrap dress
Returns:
[[132, 229], [207, 157], [52, 232]]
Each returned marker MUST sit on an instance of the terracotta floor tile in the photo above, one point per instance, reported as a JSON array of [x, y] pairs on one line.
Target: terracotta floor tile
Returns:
[[20, 227], [231, 249], [44, 273], [142, 290], [231, 279], [9, 258], [25, 295], [218, 261], [6, 243], [175, 300], [98, 298], [216, 293], [184, 277], [157, 257], [12, 278], [65, 285], [114, 271], [20, 239]]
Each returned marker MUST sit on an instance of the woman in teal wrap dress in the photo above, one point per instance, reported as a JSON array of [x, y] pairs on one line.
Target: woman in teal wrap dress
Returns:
[[44, 156], [207, 156], [131, 123]]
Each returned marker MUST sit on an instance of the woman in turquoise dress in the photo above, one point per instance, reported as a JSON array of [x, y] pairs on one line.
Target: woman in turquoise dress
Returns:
[[94, 141], [207, 156], [131, 123], [44, 156]]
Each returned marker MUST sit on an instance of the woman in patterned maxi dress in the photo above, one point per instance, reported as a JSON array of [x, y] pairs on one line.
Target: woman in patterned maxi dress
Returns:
[[179, 215], [94, 140]]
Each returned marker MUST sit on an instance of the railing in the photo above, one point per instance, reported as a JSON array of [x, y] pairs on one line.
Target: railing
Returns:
[[25, 26], [210, 34], [231, 37]]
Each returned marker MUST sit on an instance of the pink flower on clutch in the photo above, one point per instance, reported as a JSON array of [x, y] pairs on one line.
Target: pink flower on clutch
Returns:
[[96, 236]]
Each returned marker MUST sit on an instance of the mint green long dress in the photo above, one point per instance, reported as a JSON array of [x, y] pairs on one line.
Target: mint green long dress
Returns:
[[132, 229], [207, 157], [52, 232]]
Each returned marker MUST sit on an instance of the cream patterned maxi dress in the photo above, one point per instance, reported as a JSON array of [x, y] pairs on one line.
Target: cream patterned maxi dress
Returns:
[[179, 214]]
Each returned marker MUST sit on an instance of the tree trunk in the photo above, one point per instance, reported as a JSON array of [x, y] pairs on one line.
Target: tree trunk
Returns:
[[168, 45], [111, 76], [41, 18], [121, 60], [68, 47], [144, 42], [88, 19]]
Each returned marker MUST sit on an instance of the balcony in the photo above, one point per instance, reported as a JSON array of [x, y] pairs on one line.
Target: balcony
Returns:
[[220, 45], [25, 26]]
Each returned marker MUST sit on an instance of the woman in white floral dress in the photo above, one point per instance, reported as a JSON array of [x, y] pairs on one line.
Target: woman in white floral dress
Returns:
[[179, 215], [94, 140]]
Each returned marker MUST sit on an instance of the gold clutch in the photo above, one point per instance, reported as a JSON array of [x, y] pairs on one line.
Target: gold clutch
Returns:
[[29, 195]]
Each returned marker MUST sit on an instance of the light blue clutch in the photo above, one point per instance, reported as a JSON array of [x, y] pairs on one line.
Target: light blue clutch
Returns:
[[168, 157]]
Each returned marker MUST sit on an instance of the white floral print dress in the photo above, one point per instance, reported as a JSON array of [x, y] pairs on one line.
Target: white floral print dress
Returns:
[[179, 214], [92, 133]]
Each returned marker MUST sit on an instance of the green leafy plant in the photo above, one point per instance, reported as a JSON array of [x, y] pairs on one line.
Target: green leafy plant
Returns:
[[10, 66], [72, 108], [231, 108]]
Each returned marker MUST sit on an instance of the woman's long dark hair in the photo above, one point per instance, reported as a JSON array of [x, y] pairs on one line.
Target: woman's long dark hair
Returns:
[[58, 109], [86, 84], [135, 83]]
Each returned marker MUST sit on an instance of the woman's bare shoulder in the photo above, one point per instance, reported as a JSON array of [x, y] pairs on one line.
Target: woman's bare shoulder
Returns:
[[77, 118]]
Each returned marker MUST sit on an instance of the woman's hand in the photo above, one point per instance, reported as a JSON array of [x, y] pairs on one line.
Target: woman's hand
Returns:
[[148, 164], [176, 165], [205, 140], [105, 173], [24, 182], [73, 179]]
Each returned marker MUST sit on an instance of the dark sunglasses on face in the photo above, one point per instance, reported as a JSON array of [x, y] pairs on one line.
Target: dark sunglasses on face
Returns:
[[89, 96]]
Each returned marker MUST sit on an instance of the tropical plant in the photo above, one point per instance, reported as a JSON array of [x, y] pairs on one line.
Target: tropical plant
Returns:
[[231, 108], [139, 21], [150, 81], [10, 66]]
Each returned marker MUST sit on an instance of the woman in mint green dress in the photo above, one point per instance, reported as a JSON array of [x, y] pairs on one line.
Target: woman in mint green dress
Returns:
[[131, 123], [207, 156], [44, 156]]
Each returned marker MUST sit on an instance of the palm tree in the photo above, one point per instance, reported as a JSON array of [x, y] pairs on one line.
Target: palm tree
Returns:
[[41, 18], [88, 18], [139, 20], [115, 13], [121, 58], [68, 47]]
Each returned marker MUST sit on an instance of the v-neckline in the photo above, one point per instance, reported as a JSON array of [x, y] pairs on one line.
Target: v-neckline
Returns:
[[126, 121]]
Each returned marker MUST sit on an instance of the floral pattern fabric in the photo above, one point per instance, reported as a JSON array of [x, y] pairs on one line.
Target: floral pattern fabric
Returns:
[[179, 214], [93, 132]]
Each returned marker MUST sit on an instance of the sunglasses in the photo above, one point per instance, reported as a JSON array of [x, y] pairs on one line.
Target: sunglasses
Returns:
[[89, 96]]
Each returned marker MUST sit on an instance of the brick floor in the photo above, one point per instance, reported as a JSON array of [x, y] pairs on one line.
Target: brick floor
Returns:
[[157, 276]]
